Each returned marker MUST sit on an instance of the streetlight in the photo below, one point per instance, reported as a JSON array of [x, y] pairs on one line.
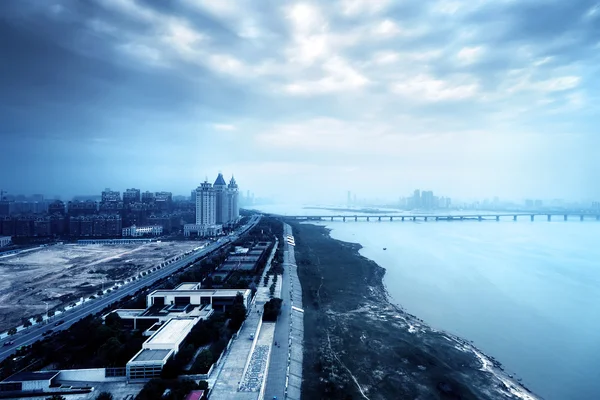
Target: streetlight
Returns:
[[46, 303]]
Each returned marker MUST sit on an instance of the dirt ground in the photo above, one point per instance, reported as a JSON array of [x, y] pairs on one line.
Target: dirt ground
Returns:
[[61, 274], [357, 345]]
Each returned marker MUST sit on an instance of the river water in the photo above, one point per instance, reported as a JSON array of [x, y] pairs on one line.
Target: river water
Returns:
[[526, 293]]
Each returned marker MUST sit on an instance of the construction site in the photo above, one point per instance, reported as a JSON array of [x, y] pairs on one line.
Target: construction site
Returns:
[[51, 277]]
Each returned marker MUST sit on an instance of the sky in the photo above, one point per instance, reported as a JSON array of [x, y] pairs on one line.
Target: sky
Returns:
[[302, 100]]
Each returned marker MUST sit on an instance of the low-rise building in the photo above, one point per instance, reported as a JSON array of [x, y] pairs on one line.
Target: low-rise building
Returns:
[[5, 241], [135, 231], [159, 348], [202, 230], [29, 382], [219, 299]]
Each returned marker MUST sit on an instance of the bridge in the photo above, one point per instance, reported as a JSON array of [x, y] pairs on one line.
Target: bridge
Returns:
[[445, 217]]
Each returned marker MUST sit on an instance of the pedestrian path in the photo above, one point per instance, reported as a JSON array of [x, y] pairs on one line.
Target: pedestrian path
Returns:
[[285, 366]]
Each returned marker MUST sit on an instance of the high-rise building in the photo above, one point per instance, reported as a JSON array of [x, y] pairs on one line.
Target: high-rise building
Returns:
[[206, 210], [110, 196], [163, 201], [233, 200], [221, 203], [147, 197], [416, 202], [349, 199], [216, 205], [131, 196]]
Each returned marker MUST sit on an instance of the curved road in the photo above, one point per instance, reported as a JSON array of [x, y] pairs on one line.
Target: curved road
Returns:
[[35, 333]]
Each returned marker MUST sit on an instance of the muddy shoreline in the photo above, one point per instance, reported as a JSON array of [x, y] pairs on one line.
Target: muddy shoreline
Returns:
[[358, 345]]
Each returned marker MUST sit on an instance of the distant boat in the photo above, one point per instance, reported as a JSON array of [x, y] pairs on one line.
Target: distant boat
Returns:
[[385, 248]]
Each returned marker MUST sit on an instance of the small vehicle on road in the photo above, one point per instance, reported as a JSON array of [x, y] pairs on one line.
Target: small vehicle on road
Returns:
[[9, 343], [62, 321], [49, 332]]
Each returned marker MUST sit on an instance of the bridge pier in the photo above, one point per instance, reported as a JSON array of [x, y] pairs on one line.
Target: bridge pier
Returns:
[[437, 218], [332, 218], [566, 217], [497, 218], [391, 219], [402, 219], [355, 218], [597, 217], [379, 219], [479, 218], [462, 218], [514, 217], [549, 217], [414, 218], [425, 219], [581, 217], [532, 217], [344, 219], [367, 219]]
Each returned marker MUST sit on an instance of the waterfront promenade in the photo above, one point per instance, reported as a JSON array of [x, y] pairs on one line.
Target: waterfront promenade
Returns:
[[285, 367]]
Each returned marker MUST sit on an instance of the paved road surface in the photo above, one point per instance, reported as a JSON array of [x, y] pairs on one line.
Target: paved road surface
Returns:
[[35, 333], [289, 326]]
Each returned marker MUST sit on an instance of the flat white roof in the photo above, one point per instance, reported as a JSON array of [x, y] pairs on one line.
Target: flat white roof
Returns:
[[173, 332], [187, 286]]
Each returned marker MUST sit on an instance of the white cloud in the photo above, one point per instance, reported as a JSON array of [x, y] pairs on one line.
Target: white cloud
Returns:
[[358, 7], [429, 89], [224, 127], [386, 29], [469, 55], [338, 76], [557, 84]]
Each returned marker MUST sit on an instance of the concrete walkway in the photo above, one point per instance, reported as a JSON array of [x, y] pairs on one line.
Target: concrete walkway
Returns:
[[285, 366], [242, 371]]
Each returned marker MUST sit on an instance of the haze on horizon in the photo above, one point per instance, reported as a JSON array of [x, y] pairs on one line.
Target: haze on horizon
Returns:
[[302, 100]]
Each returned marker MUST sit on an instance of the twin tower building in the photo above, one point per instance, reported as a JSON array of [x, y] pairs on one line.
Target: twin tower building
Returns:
[[216, 206]]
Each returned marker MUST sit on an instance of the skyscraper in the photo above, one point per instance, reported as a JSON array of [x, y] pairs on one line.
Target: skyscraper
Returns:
[[222, 205], [232, 197], [206, 205]]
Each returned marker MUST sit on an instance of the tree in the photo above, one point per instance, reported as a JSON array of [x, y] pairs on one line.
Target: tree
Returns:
[[26, 322], [50, 313], [12, 331], [238, 312], [55, 397], [272, 309], [203, 385], [39, 319], [203, 361], [104, 396], [113, 320]]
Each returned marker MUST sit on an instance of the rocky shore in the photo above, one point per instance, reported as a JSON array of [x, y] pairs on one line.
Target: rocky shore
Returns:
[[360, 346]]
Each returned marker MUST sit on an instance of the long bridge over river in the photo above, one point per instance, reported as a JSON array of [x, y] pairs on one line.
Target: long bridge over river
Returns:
[[445, 217]]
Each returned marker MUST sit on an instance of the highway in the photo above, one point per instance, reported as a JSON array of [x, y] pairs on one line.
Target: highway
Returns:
[[35, 332]]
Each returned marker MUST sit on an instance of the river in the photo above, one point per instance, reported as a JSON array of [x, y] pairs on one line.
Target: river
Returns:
[[527, 293]]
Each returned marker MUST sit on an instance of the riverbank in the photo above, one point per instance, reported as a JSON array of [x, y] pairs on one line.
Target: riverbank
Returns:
[[360, 345]]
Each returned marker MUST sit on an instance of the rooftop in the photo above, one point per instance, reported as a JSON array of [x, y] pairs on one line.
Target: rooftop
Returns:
[[151, 355], [188, 286], [195, 395], [172, 332], [206, 292], [32, 376]]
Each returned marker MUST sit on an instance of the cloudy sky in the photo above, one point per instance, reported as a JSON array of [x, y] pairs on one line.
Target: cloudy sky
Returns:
[[304, 99]]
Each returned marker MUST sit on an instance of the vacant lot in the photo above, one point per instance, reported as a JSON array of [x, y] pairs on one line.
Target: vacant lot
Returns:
[[63, 273]]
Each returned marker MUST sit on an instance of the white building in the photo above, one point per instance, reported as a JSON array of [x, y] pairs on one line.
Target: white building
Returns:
[[218, 299], [5, 241], [206, 205], [136, 231], [159, 348], [28, 382]]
